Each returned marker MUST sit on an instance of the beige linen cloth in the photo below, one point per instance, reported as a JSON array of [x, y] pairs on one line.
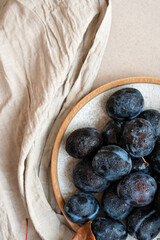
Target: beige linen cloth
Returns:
[[50, 53]]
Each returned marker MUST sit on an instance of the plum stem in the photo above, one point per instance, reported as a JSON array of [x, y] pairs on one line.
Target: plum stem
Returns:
[[145, 161]]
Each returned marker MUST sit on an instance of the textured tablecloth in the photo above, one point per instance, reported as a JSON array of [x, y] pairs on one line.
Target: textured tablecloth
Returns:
[[50, 54]]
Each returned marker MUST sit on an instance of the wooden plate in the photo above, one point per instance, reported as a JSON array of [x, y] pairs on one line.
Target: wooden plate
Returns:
[[90, 111]]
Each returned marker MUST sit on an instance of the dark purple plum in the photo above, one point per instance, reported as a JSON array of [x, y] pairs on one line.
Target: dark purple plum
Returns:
[[143, 223], [108, 229], [153, 116], [137, 189], [154, 158], [112, 162], [86, 180], [157, 202], [114, 206], [112, 133], [81, 208], [83, 142], [125, 104], [139, 165], [139, 137]]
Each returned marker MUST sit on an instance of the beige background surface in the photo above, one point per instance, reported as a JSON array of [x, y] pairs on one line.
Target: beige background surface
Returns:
[[133, 49]]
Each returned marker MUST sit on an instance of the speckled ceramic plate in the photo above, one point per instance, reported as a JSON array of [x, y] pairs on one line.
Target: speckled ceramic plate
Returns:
[[90, 112]]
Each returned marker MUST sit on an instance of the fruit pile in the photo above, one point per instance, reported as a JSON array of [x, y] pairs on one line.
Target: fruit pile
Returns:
[[123, 162]]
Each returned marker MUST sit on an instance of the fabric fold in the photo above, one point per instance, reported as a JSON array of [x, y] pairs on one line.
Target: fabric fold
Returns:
[[50, 55]]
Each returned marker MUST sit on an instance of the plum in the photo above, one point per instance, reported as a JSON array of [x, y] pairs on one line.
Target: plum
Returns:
[[112, 162], [153, 116], [83, 142], [154, 158], [81, 208], [114, 206], [112, 133], [139, 137], [125, 104], [137, 189], [107, 228], [143, 223], [86, 180]]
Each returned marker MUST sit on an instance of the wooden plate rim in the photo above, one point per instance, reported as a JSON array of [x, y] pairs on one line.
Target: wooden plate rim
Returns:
[[70, 116]]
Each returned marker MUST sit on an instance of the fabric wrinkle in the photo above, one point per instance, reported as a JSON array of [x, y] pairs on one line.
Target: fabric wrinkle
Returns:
[[46, 55]]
